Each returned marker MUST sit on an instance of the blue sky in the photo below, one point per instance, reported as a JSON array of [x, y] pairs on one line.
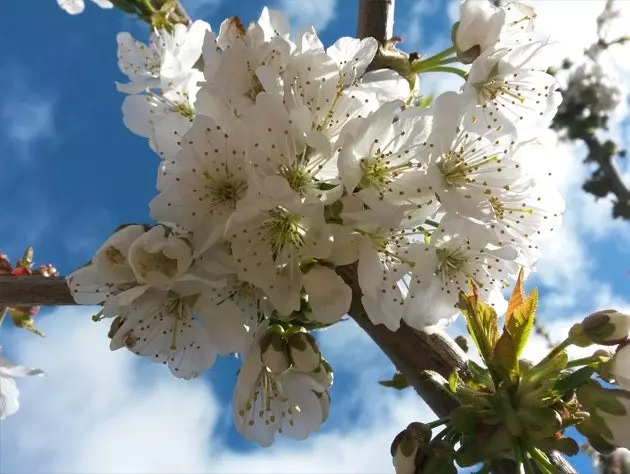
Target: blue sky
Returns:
[[71, 172]]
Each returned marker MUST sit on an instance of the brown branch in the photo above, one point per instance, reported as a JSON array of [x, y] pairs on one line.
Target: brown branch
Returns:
[[411, 351], [376, 19], [34, 291]]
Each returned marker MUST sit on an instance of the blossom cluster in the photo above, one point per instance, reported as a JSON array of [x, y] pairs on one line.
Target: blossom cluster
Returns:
[[282, 161]]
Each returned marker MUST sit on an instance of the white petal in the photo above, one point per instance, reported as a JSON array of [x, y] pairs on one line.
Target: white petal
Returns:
[[9, 394], [328, 295]]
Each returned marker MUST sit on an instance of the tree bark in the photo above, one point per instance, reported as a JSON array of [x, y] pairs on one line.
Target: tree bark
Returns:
[[34, 291], [376, 19]]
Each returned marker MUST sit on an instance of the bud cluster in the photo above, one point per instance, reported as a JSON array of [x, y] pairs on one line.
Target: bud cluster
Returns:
[[22, 316], [521, 410]]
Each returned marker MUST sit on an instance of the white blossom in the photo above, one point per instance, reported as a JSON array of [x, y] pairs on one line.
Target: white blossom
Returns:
[[201, 187], [621, 367], [510, 90], [456, 253], [168, 58], [160, 325], [328, 296], [380, 164], [470, 160], [159, 257], [109, 272], [265, 403], [480, 24], [9, 393]]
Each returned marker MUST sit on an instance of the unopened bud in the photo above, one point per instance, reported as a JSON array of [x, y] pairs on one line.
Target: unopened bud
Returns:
[[607, 327], [46, 270], [407, 445], [303, 351], [22, 317], [540, 422], [272, 350], [324, 402], [5, 265], [323, 374], [462, 342]]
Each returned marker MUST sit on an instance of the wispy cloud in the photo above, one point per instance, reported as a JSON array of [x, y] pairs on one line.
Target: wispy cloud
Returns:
[[26, 117], [199, 9], [301, 12], [116, 412]]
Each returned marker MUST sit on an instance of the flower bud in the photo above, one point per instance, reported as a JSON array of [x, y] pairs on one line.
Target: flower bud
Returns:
[[478, 28], [323, 374], [620, 367], [5, 265], [303, 350], [46, 270], [608, 327], [272, 350], [540, 422], [22, 317], [324, 402], [408, 446]]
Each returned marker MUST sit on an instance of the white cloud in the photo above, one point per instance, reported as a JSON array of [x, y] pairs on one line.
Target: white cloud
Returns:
[[301, 12], [99, 411], [28, 119], [199, 8]]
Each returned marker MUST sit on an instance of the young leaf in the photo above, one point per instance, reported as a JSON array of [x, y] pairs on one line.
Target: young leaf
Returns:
[[482, 322], [516, 298], [571, 382], [521, 321], [480, 375], [505, 358]]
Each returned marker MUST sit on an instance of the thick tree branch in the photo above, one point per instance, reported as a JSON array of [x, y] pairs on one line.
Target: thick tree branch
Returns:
[[34, 291], [412, 352], [376, 19]]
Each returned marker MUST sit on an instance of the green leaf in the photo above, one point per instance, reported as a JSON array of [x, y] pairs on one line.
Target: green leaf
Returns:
[[480, 375], [569, 383], [521, 322], [482, 322], [426, 101], [505, 357], [552, 367], [453, 381], [398, 381]]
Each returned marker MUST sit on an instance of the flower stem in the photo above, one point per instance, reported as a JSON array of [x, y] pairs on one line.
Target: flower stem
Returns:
[[441, 421], [581, 362], [3, 312], [453, 70], [527, 464], [542, 461], [554, 352], [419, 66]]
